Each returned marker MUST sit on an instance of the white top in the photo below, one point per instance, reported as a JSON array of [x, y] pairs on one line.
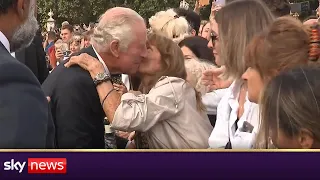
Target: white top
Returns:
[[5, 41], [227, 114], [211, 100]]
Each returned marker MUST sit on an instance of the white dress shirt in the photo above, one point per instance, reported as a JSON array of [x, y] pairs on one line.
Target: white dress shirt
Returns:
[[227, 115], [126, 81], [6, 44], [5, 41], [101, 60]]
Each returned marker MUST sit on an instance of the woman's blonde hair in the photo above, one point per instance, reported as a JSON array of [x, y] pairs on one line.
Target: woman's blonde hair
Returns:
[[291, 103], [195, 69], [238, 22], [173, 64], [169, 24]]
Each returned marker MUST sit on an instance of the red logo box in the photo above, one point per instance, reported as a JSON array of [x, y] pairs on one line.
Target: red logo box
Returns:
[[47, 165]]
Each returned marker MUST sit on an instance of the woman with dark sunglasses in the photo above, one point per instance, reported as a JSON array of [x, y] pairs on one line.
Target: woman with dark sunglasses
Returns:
[[237, 118], [215, 45]]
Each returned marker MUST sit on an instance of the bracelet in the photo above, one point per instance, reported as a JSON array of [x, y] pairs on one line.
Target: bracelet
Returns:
[[105, 98]]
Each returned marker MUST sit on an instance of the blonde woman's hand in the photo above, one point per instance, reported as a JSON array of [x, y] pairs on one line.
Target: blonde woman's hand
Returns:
[[212, 79], [214, 10], [132, 136], [86, 62], [124, 135], [122, 89]]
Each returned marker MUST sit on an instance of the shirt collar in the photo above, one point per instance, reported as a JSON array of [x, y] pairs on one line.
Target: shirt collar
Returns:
[[5, 41], [101, 60], [234, 91]]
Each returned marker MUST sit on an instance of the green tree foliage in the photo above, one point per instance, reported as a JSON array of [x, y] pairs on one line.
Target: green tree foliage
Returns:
[[74, 11], [86, 11]]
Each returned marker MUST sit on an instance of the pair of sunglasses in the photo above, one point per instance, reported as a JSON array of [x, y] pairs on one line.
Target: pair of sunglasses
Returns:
[[214, 37]]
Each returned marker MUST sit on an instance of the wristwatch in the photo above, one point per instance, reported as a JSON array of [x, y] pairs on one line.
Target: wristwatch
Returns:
[[101, 77]]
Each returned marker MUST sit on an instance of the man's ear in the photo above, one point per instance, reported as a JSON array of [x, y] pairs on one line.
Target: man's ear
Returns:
[[22, 9], [115, 48], [193, 32]]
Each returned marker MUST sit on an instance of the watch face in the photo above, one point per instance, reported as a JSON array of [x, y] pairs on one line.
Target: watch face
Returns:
[[101, 76]]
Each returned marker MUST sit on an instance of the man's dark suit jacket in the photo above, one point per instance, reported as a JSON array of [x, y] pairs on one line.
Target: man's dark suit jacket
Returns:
[[35, 59], [76, 107], [25, 122]]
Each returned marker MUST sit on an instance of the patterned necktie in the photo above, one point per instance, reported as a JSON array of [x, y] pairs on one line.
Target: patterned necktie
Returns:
[[116, 79]]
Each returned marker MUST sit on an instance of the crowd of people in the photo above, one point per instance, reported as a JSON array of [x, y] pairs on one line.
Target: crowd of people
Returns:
[[245, 78]]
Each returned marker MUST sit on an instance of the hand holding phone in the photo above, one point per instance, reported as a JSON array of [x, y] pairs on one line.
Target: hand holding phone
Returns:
[[66, 53]]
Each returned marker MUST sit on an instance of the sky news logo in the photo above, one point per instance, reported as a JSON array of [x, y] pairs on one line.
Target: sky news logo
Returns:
[[38, 165]]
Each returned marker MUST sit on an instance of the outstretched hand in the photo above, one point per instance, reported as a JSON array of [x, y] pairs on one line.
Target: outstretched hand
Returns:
[[213, 80], [214, 10]]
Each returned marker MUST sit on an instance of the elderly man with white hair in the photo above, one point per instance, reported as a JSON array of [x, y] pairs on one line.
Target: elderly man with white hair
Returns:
[[119, 43]]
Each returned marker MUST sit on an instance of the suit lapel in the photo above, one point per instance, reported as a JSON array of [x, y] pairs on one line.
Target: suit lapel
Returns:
[[21, 56], [90, 52], [3, 47]]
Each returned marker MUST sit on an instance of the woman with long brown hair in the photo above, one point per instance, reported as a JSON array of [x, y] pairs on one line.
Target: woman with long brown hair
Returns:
[[169, 113], [291, 109], [287, 44]]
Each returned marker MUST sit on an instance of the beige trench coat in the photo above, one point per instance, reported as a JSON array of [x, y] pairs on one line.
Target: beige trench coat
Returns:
[[168, 115]]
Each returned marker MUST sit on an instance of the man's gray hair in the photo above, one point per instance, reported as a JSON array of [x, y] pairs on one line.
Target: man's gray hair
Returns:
[[116, 24]]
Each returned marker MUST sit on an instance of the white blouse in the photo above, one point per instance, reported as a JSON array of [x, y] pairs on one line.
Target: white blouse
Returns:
[[227, 115], [211, 100]]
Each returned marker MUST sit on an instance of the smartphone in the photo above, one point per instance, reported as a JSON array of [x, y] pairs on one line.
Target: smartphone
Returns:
[[220, 3], [66, 53], [247, 127]]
